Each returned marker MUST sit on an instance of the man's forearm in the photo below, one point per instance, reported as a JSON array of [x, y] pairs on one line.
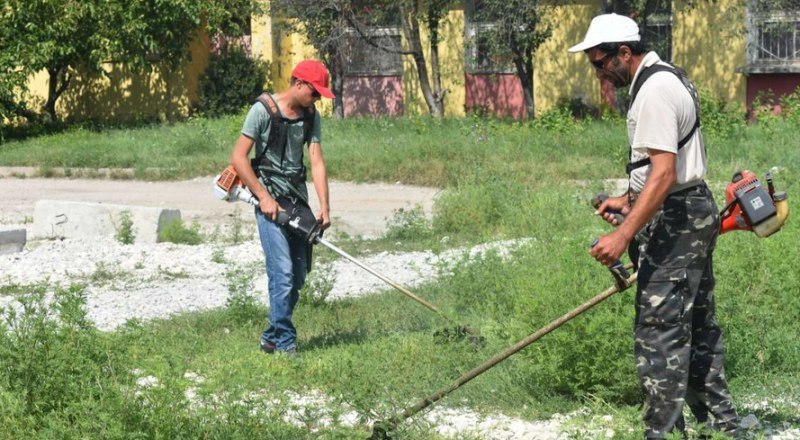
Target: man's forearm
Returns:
[[648, 203]]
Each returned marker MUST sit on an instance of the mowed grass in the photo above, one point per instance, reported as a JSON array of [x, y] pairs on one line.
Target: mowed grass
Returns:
[[377, 355]]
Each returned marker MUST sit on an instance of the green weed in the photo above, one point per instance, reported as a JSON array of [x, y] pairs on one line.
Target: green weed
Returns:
[[319, 285], [125, 233], [175, 231]]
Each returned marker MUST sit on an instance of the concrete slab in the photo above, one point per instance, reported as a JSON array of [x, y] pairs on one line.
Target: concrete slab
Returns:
[[67, 219], [12, 240]]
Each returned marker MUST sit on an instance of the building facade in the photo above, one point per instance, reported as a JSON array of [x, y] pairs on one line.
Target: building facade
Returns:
[[741, 53]]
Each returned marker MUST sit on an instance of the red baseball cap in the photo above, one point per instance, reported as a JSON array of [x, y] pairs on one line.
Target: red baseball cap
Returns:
[[314, 73]]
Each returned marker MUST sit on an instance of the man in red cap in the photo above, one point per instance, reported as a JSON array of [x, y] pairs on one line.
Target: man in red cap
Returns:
[[279, 125]]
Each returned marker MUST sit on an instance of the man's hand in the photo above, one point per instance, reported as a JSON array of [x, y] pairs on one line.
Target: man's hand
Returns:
[[269, 207], [609, 248], [324, 218], [611, 206]]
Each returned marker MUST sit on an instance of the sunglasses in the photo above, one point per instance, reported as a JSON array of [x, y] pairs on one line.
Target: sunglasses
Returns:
[[314, 91], [599, 64]]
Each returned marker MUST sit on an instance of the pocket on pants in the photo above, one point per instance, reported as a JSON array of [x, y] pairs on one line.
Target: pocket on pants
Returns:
[[661, 293]]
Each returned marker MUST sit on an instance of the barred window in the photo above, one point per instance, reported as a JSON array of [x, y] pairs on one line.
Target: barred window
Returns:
[[773, 36], [363, 58], [479, 57], [657, 32]]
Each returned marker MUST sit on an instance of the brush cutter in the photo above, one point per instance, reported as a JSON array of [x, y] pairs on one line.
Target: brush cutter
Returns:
[[748, 206], [301, 221], [382, 430]]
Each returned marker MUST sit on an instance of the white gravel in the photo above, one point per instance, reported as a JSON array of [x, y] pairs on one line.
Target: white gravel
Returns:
[[155, 281]]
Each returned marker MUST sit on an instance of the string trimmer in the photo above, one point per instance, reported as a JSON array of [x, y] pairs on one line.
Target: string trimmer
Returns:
[[301, 221], [382, 430]]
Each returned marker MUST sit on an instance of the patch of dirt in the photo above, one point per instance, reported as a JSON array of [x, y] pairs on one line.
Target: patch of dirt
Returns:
[[356, 209]]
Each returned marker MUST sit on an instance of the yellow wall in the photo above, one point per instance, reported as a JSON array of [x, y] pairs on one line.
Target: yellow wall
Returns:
[[123, 95], [559, 74], [451, 64], [709, 43]]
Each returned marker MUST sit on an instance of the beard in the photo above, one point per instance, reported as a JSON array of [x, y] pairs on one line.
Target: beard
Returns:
[[618, 74]]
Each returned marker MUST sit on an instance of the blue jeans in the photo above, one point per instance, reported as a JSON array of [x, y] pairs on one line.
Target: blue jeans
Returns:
[[285, 255]]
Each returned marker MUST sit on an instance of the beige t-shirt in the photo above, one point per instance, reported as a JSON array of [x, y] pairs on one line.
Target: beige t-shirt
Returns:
[[663, 114]]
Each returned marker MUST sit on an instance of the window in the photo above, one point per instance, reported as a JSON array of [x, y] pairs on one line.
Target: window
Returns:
[[363, 58], [655, 23], [773, 36], [479, 56], [657, 32]]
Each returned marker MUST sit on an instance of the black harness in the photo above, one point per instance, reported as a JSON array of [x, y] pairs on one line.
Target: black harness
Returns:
[[643, 76], [276, 142]]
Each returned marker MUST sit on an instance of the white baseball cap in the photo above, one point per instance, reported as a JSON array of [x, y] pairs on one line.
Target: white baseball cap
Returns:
[[608, 28]]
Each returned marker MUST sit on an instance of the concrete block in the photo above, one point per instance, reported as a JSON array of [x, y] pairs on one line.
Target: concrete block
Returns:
[[58, 218], [12, 240]]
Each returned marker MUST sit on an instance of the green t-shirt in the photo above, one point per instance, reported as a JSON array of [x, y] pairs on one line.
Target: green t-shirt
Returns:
[[257, 126]]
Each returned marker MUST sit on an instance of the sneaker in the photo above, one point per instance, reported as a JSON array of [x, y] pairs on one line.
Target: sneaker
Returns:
[[267, 347]]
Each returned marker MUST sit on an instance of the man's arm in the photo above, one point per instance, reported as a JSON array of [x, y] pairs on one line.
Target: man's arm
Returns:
[[240, 162], [661, 178], [320, 176]]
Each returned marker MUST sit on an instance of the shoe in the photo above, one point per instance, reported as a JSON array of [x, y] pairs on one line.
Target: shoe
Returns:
[[267, 347]]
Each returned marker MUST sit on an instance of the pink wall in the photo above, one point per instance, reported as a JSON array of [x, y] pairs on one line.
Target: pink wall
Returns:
[[373, 96], [780, 83], [500, 94]]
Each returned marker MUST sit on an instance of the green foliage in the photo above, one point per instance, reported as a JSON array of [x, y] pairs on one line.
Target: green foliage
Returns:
[[559, 119], [175, 231], [54, 362], [68, 39], [408, 224], [242, 305], [718, 118], [231, 82], [125, 233], [319, 285]]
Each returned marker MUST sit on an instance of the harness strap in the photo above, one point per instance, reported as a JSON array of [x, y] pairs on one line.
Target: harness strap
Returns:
[[278, 133], [646, 73]]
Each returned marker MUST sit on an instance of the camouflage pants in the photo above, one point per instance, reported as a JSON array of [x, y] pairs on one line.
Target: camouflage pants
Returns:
[[677, 341]]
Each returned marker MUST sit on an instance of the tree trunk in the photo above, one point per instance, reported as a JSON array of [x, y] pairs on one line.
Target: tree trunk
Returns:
[[411, 30], [57, 84], [523, 61], [337, 77], [438, 93]]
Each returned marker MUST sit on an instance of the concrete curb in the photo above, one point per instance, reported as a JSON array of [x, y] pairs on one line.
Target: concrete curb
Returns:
[[56, 218], [12, 240]]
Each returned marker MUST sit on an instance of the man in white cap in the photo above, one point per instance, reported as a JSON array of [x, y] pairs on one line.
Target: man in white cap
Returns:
[[279, 126], [670, 228]]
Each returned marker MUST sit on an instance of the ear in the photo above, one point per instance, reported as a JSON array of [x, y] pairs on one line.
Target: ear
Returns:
[[624, 53]]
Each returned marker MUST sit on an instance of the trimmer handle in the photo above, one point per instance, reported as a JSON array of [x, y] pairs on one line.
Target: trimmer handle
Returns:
[[599, 199], [300, 221], [617, 269]]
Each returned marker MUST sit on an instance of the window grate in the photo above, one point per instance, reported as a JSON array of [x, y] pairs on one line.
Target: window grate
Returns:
[[365, 59], [773, 36]]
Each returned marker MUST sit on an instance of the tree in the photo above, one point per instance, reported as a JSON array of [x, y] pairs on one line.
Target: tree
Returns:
[[517, 29], [65, 37], [411, 13], [324, 27]]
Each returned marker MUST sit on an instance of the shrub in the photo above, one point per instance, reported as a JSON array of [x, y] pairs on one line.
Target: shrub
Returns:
[[176, 232], [231, 81], [408, 224], [242, 305], [125, 234]]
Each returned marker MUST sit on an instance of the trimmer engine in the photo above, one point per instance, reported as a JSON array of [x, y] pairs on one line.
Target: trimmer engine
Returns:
[[750, 207]]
